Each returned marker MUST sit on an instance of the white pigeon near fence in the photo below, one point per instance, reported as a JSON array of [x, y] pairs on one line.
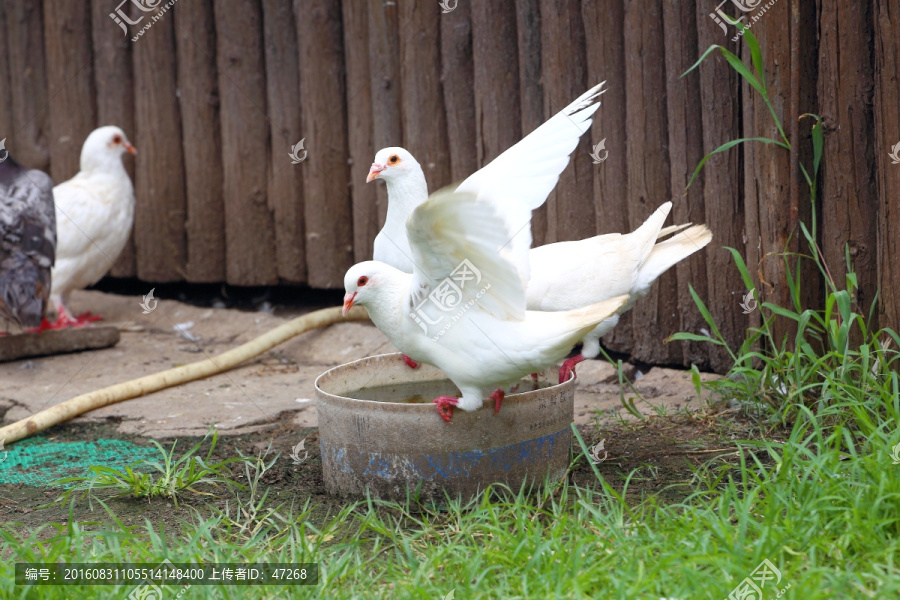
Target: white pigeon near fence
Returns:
[[463, 307], [94, 215], [519, 180]]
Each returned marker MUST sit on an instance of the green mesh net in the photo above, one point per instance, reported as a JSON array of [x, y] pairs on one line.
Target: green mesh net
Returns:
[[39, 461]]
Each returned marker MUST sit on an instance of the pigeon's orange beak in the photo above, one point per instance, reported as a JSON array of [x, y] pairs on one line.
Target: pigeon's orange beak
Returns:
[[374, 171], [348, 303], [129, 148]]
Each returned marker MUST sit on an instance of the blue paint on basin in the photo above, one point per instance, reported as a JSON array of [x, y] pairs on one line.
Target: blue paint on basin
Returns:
[[448, 465]]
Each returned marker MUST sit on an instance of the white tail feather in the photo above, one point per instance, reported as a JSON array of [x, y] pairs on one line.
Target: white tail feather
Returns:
[[668, 252]]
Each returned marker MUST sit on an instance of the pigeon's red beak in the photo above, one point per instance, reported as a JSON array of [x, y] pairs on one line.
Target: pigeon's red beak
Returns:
[[348, 303], [129, 148], [374, 171]]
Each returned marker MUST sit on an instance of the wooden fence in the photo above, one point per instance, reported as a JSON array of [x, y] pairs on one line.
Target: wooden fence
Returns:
[[215, 94]]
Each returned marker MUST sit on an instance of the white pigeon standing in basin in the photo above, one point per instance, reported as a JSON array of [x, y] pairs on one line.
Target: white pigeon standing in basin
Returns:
[[463, 307], [595, 269], [94, 215]]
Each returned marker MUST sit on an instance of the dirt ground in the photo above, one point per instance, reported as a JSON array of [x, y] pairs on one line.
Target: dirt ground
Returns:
[[277, 387], [271, 401]]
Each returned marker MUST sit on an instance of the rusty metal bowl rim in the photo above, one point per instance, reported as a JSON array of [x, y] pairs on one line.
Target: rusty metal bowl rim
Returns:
[[397, 356]]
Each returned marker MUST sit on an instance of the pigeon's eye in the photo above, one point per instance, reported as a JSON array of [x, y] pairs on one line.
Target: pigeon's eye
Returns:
[[117, 139], [394, 159], [362, 281]]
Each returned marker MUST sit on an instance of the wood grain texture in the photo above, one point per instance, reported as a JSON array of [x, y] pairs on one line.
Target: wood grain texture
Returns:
[[848, 191], [114, 85], [159, 176], [570, 213], [458, 78], [531, 89], [384, 71], [204, 228], [285, 189], [360, 128], [249, 243], [326, 180], [721, 182], [424, 115], [71, 96], [649, 180], [886, 21], [685, 152], [498, 115], [604, 23]]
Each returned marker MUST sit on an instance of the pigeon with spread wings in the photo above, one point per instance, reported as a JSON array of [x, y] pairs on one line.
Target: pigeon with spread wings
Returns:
[[463, 307]]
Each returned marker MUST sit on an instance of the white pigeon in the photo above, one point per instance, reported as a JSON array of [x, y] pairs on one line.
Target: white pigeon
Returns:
[[463, 307], [94, 215], [595, 269]]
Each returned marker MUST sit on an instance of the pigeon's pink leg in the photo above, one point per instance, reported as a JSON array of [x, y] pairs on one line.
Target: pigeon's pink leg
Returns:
[[497, 397], [410, 362], [568, 368], [445, 406], [63, 320]]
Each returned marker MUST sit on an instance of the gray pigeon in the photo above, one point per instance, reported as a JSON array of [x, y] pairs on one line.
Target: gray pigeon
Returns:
[[27, 243]]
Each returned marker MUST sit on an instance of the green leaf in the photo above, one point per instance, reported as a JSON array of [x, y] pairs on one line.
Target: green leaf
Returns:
[[728, 146]]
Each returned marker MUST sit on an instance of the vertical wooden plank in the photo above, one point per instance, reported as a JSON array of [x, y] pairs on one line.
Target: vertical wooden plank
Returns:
[[424, 116], [67, 34], [204, 228], [6, 116], [531, 89], [360, 127], [114, 86], [159, 178], [685, 152], [249, 244], [495, 47], [384, 71], [285, 188], [28, 83], [329, 213], [648, 168], [848, 193], [721, 182], [570, 212], [460, 86], [886, 20], [604, 24], [767, 173]]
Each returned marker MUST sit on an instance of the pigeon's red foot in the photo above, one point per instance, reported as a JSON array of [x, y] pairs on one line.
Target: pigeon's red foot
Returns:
[[568, 368], [44, 326], [410, 362], [445, 406], [63, 320], [497, 397], [534, 377]]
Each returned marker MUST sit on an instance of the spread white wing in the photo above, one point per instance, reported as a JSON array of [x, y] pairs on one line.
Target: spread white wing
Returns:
[[520, 179], [454, 239]]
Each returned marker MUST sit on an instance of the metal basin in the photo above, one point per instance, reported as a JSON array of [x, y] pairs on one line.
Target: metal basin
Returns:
[[394, 448]]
